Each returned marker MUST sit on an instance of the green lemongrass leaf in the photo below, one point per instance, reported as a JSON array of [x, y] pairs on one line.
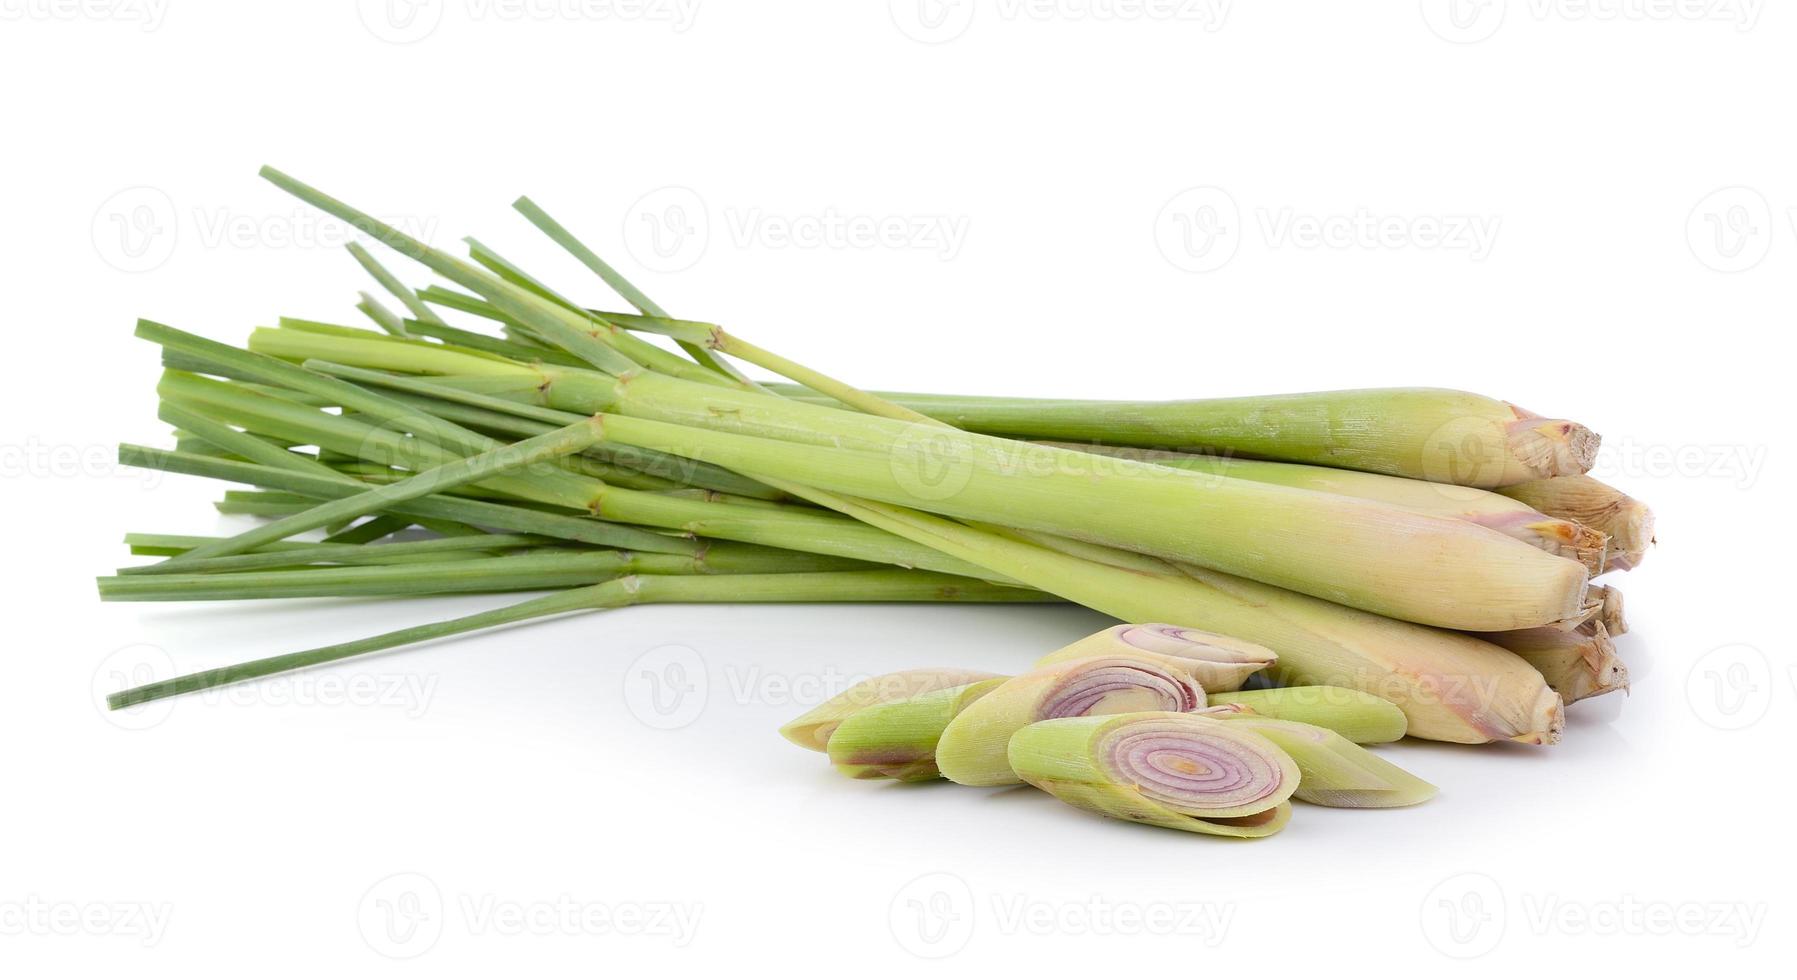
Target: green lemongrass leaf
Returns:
[[897, 740], [1217, 662], [876, 586], [1179, 771], [1355, 715], [973, 749], [281, 554], [544, 569], [391, 284], [622, 286], [380, 316], [812, 729]]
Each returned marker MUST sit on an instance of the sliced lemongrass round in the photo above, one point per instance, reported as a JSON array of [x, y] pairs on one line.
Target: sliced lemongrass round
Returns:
[[1168, 769], [973, 747]]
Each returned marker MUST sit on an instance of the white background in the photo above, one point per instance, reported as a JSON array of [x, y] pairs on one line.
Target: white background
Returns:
[[1134, 198]]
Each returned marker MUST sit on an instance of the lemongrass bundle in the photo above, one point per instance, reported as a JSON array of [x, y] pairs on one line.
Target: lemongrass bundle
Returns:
[[1179, 771], [1356, 552]]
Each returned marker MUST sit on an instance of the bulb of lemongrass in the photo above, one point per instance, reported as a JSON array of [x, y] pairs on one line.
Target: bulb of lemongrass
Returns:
[[1355, 715], [973, 746], [1336, 772], [1217, 662], [1608, 600], [812, 730], [897, 739], [1578, 664], [1506, 515], [1168, 769], [1593, 503]]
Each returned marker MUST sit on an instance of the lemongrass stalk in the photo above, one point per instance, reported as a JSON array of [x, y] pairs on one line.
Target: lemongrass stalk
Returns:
[[1410, 566], [546, 569], [1334, 770], [1579, 664], [1450, 686], [1487, 508], [973, 745], [1429, 434], [1178, 771], [812, 730], [1591, 502], [391, 284], [875, 586], [473, 469], [897, 740], [1216, 662], [398, 552], [1355, 715]]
